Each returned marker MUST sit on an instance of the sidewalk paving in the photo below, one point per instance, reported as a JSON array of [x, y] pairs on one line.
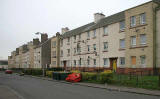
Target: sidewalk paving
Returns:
[[110, 87], [7, 93]]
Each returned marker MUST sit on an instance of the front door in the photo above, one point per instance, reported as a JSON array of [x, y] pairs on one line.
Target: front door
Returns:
[[113, 64], [64, 62]]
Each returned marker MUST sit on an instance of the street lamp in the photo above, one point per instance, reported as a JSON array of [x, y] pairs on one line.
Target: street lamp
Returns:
[[43, 67]]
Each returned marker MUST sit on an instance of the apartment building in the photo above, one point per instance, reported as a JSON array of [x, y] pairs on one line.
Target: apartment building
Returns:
[[37, 57], [123, 42], [42, 52], [97, 45], [141, 37], [55, 51]]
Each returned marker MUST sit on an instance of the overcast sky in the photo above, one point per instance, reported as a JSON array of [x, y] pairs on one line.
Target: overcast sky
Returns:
[[20, 19]]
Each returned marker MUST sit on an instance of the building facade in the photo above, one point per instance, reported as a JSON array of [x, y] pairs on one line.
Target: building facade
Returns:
[[123, 42], [55, 51]]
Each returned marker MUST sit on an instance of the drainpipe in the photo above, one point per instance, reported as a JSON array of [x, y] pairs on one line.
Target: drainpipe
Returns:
[[154, 40]]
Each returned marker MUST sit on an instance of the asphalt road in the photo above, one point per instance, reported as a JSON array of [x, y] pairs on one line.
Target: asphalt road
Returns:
[[24, 87]]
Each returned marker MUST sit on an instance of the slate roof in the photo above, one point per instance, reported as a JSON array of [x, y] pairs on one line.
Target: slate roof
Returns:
[[91, 26]]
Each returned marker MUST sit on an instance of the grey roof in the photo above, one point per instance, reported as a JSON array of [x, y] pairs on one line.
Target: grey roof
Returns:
[[91, 26]]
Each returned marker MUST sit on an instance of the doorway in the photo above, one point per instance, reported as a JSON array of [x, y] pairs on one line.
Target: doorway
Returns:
[[64, 64], [113, 64]]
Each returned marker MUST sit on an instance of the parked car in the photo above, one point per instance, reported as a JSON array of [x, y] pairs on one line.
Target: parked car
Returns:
[[8, 71]]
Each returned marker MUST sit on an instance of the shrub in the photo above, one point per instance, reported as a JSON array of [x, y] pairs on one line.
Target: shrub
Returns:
[[103, 77], [37, 72], [33, 71], [49, 73], [75, 71], [86, 76]]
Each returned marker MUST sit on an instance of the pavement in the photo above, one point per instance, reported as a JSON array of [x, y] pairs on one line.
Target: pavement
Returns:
[[30, 87]]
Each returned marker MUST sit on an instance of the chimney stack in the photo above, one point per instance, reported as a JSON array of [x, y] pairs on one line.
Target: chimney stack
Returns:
[[63, 30], [98, 16], [44, 37], [36, 41]]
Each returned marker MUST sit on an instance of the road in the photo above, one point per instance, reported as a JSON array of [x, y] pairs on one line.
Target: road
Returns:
[[25, 87]]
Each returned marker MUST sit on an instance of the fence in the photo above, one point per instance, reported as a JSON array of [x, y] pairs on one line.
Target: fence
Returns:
[[141, 79]]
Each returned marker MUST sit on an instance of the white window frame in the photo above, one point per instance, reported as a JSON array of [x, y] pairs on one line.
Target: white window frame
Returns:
[[88, 48], [121, 23], [144, 57], [88, 34], [94, 33], [94, 47], [105, 30], [105, 60], [94, 62], [120, 61], [133, 21], [105, 44], [143, 18], [143, 40], [133, 42], [120, 43]]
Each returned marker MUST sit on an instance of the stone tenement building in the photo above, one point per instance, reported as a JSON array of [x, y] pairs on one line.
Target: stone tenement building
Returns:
[[124, 42]]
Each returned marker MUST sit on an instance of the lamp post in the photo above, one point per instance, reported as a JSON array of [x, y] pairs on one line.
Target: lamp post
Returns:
[[43, 67]]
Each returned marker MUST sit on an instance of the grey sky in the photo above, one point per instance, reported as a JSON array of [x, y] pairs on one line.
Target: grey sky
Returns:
[[20, 19]]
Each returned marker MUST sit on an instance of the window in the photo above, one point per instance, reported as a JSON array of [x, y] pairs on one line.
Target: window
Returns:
[[79, 36], [105, 60], [143, 60], [94, 47], [54, 63], [94, 33], [78, 48], [122, 61], [62, 42], [68, 50], [94, 61], [105, 30], [133, 60], [122, 43], [133, 21], [61, 52], [68, 39], [88, 61], [133, 41], [122, 25], [54, 44], [142, 39], [80, 62], [105, 46], [54, 54], [142, 18], [75, 37], [74, 50], [74, 62], [88, 34], [88, 46]]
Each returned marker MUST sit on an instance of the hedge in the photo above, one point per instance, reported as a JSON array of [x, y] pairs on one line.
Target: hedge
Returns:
[[103, 77]]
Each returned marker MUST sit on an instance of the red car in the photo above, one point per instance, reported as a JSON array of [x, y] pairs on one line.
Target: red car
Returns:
[[8, 72]]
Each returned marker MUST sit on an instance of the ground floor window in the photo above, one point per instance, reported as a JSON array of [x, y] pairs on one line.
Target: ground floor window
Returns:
[[122, 60], [88, 62], [94, 62], [143, 60], [105, 61], [133, 60]]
